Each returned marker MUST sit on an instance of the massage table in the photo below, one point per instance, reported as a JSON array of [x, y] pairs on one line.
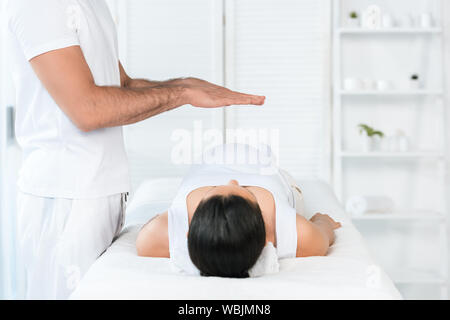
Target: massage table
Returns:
[[347, 272]]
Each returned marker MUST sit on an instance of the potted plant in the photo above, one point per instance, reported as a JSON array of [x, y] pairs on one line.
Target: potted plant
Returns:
[[353, 19], [370, 137], [415, 82]]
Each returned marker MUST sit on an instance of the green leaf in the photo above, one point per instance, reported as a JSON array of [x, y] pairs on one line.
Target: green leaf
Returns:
[[377, 133]]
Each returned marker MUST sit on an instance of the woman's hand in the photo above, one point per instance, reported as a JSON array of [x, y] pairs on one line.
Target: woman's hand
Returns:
[[326, 219], [203, 94]]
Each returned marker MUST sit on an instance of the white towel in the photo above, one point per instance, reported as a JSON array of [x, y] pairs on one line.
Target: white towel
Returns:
[[359, 205], [267, 263]]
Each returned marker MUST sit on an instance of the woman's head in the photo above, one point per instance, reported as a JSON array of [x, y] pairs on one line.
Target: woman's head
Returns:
[[227, 232]]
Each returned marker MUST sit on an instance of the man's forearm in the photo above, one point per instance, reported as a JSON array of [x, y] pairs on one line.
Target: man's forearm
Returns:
[[115, 106], [142, 83]]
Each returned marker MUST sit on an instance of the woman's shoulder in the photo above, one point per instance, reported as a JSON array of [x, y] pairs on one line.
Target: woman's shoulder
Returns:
[[153, 239]]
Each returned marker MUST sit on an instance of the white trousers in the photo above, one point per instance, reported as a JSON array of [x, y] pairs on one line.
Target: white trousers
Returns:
[[59, 239]]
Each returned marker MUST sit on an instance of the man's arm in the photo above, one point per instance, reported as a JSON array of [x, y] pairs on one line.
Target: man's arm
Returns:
[[314, 237], [68, 79]]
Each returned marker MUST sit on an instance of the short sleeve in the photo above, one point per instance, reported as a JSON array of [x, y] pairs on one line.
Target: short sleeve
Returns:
[[41, 26]]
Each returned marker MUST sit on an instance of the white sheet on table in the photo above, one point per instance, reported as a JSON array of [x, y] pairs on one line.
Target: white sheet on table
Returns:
[[348, 272]]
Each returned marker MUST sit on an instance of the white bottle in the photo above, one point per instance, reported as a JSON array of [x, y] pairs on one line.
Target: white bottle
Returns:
[[402, 141]]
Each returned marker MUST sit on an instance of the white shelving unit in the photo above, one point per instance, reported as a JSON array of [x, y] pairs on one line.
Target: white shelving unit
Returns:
[[391, 93], [341, 34], [389, 31]]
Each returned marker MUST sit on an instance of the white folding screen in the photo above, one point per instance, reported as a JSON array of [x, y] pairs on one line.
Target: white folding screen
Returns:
[[159, 40], [281, 49]]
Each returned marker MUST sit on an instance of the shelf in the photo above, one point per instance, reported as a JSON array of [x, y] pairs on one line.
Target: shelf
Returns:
[[417, 277], [391, 93], [409, 31], [404, 215], [402, 155]]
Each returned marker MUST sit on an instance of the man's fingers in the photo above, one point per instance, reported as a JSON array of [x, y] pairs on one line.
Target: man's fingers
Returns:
[[247, 99]]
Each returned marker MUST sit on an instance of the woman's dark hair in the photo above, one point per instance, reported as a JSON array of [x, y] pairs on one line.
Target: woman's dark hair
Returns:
[[226, 236]]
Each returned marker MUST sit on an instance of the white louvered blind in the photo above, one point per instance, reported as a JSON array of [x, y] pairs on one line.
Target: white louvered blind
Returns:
[[280, 49], [164, 39]]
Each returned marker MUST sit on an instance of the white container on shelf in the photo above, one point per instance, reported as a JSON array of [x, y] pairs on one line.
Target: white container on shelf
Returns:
[[415, 83], [402, 141], [370, 144], [426, 20], [368, 84], [392, 143], [366, 142], [387, 21], [352, 84], [384, 85], [353, 22], [398, 142]]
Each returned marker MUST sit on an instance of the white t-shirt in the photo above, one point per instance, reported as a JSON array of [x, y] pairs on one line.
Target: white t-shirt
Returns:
[[59, 160]]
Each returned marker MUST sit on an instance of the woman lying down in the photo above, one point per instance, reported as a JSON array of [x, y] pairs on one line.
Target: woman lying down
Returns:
[[224, 216]]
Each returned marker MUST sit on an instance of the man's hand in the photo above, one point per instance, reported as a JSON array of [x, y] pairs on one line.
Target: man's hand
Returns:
[[203, 94]]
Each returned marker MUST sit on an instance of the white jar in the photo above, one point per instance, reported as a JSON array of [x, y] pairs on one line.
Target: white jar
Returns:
[[426, 20], [383, 85], [368, 84], [387, 21], [352, 84]]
